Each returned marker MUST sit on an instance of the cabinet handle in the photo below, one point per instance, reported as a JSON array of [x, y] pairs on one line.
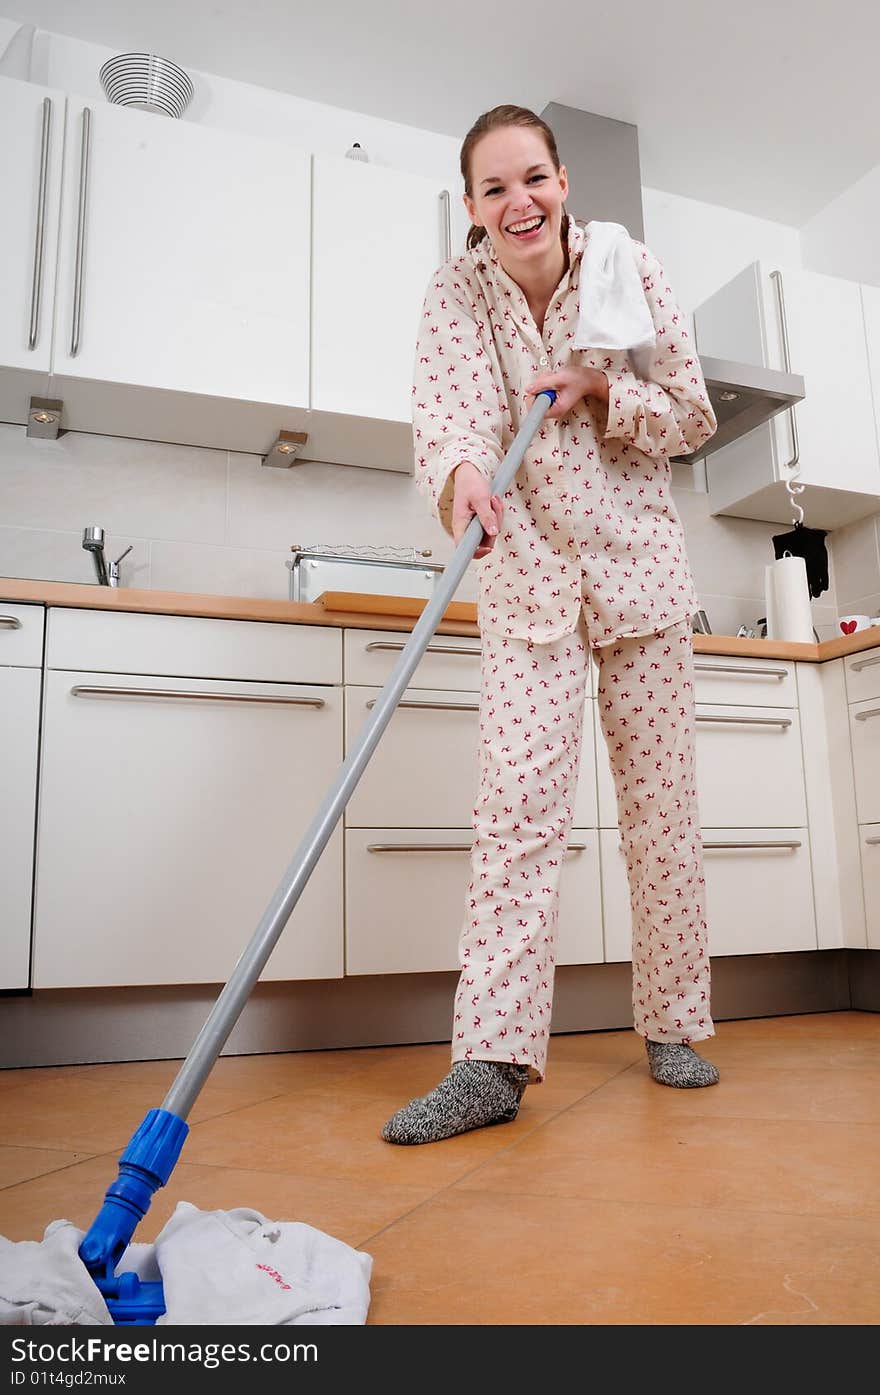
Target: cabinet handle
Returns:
[[37, 281], [437, 706], [446, 204], [871, 712], [440, 847], [81, 230], [864, 663], [742, 668], [10, 622], [748, 721], [768, 843], [872, 841], [82, 690], [394, 647], [792, 465]]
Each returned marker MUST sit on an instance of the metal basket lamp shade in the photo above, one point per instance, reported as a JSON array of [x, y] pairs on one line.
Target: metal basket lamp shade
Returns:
[[146, 81]]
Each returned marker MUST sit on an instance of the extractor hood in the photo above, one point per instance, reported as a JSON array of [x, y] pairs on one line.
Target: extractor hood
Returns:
[[602, 159], [744, 396]]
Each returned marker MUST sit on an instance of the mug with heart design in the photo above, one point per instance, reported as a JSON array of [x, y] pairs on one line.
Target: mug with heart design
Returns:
[[848, 624]]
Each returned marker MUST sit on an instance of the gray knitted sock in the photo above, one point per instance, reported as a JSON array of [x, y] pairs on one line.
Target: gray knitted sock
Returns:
[[675, 1063], [473, 1094]]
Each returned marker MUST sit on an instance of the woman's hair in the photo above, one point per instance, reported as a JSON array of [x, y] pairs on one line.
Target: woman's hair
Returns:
[[496, 120]]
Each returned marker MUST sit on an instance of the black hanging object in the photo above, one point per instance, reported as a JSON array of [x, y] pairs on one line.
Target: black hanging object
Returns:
[[808, 543]]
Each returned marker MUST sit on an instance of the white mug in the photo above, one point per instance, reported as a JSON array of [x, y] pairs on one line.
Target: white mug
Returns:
[[848, 624]]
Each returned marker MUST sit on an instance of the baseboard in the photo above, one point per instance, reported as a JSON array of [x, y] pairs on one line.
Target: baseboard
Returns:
[[56, 1027]]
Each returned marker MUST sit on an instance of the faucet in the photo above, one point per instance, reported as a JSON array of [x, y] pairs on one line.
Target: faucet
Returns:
[[93, 542]]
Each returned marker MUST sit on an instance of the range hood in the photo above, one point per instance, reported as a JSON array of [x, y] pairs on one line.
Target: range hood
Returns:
[[602, 159], [744, 396]]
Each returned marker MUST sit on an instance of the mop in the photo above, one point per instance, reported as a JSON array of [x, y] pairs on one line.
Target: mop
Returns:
[[153, 1150]]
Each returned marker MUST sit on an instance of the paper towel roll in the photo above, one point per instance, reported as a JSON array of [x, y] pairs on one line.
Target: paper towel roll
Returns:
[[787, 596]]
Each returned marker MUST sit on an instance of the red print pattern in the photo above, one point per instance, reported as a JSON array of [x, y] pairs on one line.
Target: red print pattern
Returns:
[[531, 715], [478, 348]]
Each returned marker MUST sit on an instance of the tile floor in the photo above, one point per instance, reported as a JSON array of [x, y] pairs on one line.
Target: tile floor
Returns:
[[610, 1200]]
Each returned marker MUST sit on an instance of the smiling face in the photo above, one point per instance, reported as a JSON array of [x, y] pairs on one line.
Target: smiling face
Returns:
[[517, 195]]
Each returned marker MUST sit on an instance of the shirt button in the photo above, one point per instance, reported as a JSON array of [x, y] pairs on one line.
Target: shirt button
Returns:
[[543, 360]]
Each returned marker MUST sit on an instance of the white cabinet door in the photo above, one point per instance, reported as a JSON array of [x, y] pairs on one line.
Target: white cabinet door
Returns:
[[32, 123], [194, 262], [377, 237], [759, 894], [837, 437], [871, 312], [870, 843], [166, 824], [19, 735], [406, 899]]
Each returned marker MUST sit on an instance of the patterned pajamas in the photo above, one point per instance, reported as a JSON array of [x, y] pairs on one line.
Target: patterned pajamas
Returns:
[[532, 707]]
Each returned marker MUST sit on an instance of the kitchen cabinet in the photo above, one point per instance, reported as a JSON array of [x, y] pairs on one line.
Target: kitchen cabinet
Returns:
[[32, 119], [836, 429], [21, 657], [170, 805], [378, 234], [182, 308], [870, 846]]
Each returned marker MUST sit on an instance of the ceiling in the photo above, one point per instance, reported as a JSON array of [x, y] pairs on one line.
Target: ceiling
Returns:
[[773, 109]]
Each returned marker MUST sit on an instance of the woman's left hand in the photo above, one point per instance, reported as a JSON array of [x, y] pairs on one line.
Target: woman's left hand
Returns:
[[570, 385]]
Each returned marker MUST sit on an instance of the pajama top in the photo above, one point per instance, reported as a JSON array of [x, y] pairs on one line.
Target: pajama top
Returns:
[[478, 348]]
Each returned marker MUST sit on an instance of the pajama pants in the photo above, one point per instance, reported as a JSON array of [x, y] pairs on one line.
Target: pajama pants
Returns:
[[531, 719]]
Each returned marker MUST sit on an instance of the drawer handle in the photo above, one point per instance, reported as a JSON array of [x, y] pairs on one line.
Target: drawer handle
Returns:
[[441, 847], [10, 622], [872, 841], [749, 721], [767, 843], [742, 668], [436, 706], [394, 647], [864, 663], [871, 712], [82, 690]]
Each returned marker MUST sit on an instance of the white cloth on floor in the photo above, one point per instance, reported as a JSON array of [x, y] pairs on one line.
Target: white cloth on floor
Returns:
[[216, 1267], [613, 312]]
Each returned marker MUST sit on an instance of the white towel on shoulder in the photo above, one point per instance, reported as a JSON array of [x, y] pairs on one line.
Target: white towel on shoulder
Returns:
[[613, 312]]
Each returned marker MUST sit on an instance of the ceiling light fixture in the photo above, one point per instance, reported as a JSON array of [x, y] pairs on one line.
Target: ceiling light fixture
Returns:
[[285, 449], [44, 418]]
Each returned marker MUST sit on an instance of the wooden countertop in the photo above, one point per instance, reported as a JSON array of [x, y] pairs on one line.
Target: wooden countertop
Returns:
[[363, 611]]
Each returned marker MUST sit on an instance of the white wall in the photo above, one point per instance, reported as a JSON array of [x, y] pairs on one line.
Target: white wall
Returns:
[[218, 522], [842, 240]]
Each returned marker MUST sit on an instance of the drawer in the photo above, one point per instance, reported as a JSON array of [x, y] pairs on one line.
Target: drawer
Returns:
[[21, 635], [749, 767], [406, 899], [425, 769], [450, 661], [869, 837], [759, 892], [864, 723], [740, 682], [184, 646], [862, 675]]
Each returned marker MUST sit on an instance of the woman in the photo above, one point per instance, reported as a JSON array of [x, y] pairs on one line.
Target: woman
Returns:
[[586, 551]]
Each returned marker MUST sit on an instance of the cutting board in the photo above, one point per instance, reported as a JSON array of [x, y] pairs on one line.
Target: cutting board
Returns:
[[362, 603]]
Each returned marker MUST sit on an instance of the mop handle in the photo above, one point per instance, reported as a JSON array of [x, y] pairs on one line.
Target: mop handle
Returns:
[[233, 997]]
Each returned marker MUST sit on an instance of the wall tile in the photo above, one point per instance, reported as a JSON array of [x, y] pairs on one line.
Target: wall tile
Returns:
[[41, 555], [856, 555], [219, 571], [142, 488]]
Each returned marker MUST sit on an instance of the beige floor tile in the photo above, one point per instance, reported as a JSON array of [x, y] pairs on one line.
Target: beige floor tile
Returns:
[[594, 1150], [88, 1114], [338, 1135], [18, 1164], [495, 1258], [753, 1092], [349, 1210], [14, 1078]]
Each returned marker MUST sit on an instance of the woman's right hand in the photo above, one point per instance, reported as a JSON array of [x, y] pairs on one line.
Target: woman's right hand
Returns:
[[472, 495]]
